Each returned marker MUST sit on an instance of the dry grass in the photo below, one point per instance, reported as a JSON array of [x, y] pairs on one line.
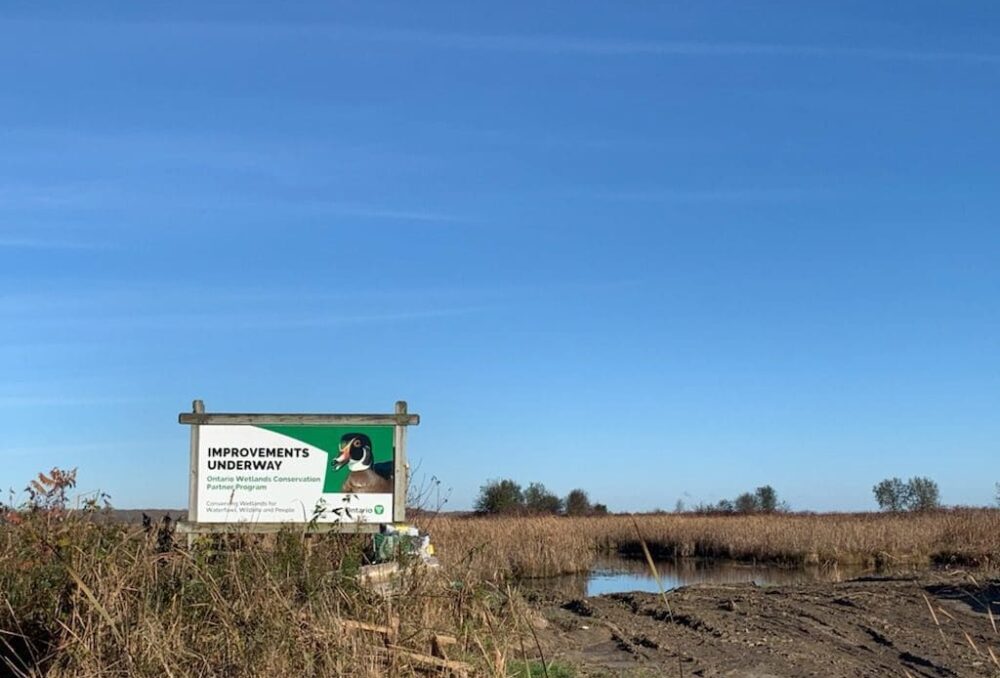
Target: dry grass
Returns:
[[79, 597], [82, 599], [548, 545]]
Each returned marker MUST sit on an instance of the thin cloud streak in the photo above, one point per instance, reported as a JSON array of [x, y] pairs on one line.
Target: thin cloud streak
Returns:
[[376, 212], [172, 148], [712, 195], [598, 47], [539, 43], [19, 401], [555, 44], [114, 304], [32, 196], [43, 244], [47, 451], [120, 198], [208, 320], [330, 321]]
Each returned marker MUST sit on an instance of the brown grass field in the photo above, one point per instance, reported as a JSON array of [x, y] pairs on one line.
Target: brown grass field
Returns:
[[81, 597], [543, 546]]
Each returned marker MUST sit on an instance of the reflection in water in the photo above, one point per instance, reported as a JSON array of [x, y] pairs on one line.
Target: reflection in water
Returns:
[[613, 574]]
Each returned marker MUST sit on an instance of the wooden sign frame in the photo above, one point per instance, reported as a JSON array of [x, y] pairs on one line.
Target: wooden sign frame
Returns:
[[197, 418]]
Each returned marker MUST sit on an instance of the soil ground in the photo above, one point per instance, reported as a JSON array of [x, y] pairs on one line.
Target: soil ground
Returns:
[[872, 626]]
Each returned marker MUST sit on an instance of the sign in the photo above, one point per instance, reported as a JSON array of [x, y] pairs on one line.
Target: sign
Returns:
[[326, 470], [295, 474]]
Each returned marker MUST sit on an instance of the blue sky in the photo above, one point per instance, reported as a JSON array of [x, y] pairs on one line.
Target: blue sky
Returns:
[[672, 252]]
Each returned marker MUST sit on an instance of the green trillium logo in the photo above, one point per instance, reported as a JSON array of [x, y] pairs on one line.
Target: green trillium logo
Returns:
[[379, 509]]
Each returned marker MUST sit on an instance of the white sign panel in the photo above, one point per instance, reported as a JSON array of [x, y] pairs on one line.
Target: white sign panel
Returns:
[[294, 474]]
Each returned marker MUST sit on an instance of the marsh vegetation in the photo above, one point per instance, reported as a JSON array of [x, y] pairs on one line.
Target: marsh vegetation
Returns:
[[84, 596], [541, 546]]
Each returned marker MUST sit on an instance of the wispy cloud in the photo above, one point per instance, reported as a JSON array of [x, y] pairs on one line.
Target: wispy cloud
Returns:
[[110, 309], [531, 43], [57, 449], [610, 47], [720, 195], [32, 198], [54, 196], [49, 244], [216, 320], [95, 147], [378, 212], [19, 401], [595, 46], [117, 301], [227, 322]]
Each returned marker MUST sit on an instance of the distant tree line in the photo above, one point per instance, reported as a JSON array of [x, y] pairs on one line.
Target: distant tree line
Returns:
[[505, 496], [762, 500]]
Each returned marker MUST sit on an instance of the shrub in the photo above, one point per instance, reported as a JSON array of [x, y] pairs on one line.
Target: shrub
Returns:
[[537, 499], [746, 503], [577, 503], [500, 496], [767, 499]]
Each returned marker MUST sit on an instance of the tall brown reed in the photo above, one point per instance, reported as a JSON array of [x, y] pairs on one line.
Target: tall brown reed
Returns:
[[81, 598], [549, 545]]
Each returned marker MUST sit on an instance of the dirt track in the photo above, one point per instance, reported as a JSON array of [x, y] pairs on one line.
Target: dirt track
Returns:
[[864, 627]]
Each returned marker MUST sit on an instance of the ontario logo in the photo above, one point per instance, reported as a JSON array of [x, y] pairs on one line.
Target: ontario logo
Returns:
[[379, 509]]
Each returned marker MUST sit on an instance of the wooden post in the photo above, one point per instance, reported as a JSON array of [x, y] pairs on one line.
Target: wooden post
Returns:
[[400, 467], [198, 407]]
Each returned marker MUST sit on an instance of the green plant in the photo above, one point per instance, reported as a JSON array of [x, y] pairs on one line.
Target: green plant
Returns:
[[500, 496], [538, 499], [536, 669]]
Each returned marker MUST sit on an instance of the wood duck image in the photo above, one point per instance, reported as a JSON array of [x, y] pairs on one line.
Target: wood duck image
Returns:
[[356, 454]]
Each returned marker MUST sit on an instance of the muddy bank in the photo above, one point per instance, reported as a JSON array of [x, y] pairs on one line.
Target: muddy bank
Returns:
[[872, 626]]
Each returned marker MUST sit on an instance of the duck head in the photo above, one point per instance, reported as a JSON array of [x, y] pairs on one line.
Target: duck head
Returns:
[[355, 452]]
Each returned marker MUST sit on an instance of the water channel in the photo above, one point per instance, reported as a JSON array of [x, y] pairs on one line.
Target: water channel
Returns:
[[614, 574]]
